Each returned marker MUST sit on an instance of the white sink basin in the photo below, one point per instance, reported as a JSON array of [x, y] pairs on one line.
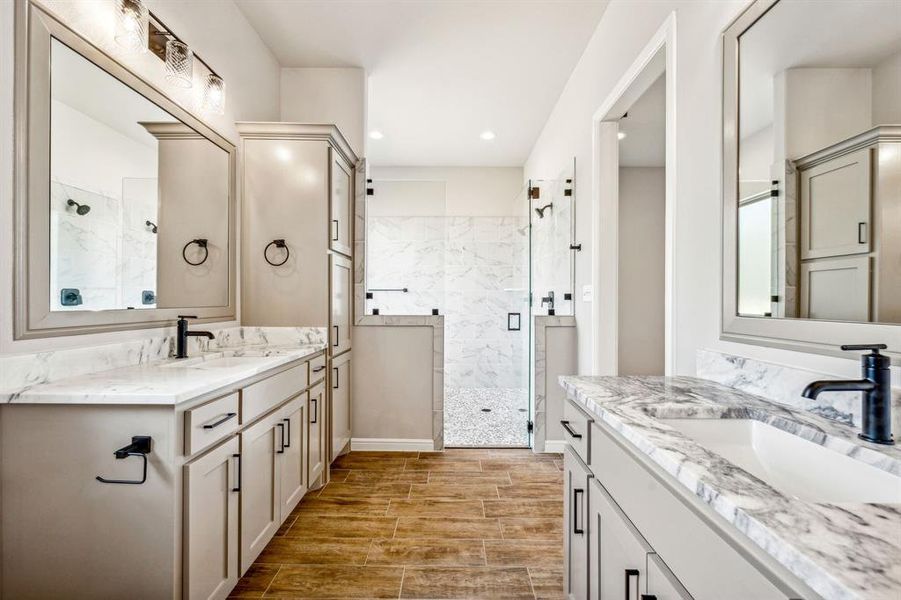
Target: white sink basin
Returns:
[[791, 464]]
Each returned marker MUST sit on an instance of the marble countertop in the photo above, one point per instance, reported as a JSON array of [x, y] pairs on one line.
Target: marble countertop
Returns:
[[166, 382], [842, 551]]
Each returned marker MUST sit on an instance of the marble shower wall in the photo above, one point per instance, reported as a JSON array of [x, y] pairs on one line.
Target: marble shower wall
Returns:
[[474, 270], [551, 256]]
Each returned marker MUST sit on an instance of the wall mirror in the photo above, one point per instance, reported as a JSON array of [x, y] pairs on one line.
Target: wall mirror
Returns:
[[812, 174], [126, 207]]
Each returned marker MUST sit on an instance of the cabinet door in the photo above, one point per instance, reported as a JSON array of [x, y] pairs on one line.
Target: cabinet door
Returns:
[[836, 289], [662, 583], [619, 552], [292, 467], [260, 500], [341, 270], [211, 523], [316, 434], [341, 217], [576, 525], [340, 404]]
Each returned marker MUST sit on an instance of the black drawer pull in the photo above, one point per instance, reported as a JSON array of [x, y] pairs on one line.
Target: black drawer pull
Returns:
[[335, 234], [862, 233], [576, 510], [570, 430], [237, 488], [648, 597], [281, 438], [288, 425], [319, 369], [337, 383], [630, 573], [336, 342], [315, 403], [220, 421]]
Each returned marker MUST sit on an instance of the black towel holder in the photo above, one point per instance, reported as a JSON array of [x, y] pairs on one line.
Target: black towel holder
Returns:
[[279, 243], [140, 446], [203, 243]]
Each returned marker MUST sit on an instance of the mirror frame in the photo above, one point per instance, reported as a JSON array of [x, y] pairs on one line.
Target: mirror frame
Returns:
[[813, 336], [31, 307]]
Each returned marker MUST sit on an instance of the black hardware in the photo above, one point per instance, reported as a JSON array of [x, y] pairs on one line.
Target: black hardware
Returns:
[[370, 192], [319, 368], [335, 235], [70, 297], [279, 243], [148, 297], [81, 209], [576, 247], [534, 193], [567, 296], [630, 573], [570, 430], [434, 312], [648, 597], [774, 188], [202, 243], [140, 446], [315, 415], [774, 298], [288, 425], [514, 317], [238, 487], [336, 384], [375, 311], [220, 421], [336, 335], [549, 300], [369, 293], [576, 493], [182, 335], [152, 226], [862, 233], [551, 312], [530, 426], [876, 392], [567, 192], [281, 438]]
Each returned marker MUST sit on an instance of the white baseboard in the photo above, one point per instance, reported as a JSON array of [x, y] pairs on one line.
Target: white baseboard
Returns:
[[554, 446], [392, 445]]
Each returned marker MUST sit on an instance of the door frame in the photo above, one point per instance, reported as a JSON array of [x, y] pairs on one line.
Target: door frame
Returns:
[[658, 57]]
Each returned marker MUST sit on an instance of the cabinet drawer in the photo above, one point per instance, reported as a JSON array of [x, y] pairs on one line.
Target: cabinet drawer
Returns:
[[317, 369], [577, 430], [258, 398], [210, 422], [704, 561]]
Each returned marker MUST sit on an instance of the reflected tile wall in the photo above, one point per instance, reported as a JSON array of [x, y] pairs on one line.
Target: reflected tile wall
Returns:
[[475, 271]]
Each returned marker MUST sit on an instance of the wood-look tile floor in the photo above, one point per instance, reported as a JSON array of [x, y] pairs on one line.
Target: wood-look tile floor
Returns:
[[458, 524]]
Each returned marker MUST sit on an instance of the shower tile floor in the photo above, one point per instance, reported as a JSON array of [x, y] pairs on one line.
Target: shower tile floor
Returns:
[[504, 425]]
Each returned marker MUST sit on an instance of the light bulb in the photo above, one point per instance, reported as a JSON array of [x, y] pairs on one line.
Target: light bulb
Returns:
[[132, 18], [214, 95]]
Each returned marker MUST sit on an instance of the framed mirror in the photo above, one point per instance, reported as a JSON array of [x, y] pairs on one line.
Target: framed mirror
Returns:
[[125, 202], [812, 175]]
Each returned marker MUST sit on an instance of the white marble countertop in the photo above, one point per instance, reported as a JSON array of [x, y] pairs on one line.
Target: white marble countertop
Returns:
[[842, 551], [166, 382]]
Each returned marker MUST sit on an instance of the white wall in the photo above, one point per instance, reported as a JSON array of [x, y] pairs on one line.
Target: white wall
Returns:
[[623, 32], [887, 91], [327, 95], [642, 214], [469, 191], [217, 30]]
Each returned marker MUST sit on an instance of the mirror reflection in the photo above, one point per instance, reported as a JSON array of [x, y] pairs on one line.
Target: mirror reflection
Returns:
[[138, 200], [819, 193]]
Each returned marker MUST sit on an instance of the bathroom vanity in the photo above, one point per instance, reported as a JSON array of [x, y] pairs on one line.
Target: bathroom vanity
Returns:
[[215, 451], [684, 488]]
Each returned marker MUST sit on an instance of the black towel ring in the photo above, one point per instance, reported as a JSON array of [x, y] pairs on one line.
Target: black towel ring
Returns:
[[202, 242], [280, 243]]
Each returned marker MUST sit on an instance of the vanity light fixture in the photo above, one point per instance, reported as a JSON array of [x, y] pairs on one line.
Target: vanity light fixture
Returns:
[[132, 25], [487, 135], [179, 63], [376, 134], [214, 95]]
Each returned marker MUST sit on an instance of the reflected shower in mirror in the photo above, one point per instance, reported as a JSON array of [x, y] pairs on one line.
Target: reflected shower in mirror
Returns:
[[130, 186], [819, 190]]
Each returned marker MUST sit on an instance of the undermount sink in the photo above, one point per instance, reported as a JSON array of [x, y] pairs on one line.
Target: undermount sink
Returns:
[[223, 362], [791, 464]]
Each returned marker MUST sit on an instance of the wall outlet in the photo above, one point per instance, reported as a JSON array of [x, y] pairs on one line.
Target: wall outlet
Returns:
[[587, 293]]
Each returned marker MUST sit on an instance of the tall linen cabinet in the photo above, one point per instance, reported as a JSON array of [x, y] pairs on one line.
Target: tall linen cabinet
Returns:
[[297, 253]]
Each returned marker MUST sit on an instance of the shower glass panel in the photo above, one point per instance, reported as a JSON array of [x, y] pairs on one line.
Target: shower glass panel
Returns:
[[552, 225]]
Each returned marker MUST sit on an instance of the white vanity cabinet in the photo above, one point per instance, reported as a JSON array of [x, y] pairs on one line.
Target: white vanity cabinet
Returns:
[[340, 405], [576, 477], [316, 432]]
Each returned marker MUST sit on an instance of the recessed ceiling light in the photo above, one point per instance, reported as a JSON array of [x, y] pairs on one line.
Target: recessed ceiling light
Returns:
[[376, 134], [621, 135], [487, 135]]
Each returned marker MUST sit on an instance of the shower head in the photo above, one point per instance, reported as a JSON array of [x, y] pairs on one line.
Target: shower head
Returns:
[[151, 225], [81, 209], [540, 211]]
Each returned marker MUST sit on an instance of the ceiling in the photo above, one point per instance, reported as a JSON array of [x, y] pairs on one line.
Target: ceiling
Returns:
[[811, 34], [442, 71], [645, 129]]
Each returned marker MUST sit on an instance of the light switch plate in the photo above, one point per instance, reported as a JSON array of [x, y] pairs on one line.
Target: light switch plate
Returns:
[[587, 293]]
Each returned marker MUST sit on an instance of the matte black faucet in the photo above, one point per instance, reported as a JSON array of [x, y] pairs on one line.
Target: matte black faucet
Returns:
[[549, 300], [876, 388], [181, 342]]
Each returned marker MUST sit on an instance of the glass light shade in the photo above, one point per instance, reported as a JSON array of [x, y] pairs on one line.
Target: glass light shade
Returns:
[[214, 95], [179, 64], [132, 26]]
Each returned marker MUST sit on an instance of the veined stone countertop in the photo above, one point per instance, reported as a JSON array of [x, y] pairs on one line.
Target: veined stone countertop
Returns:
[[166, 382], [841, 551]]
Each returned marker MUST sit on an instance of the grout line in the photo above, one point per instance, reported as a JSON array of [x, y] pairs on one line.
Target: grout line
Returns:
[[485, 551], [277, 571], [403, 575], [394, 533], [531, 584], [368, 552]]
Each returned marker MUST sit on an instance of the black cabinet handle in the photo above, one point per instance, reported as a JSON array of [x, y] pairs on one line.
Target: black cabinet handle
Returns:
[[862, 233], [237, 488], [315, 403], [630, 573], [281, 438], [336, 335], [576, 510], [570, 430], [335, 235], [336, 384], [220, 421], [288, 425], [648, 597], [319, 368]]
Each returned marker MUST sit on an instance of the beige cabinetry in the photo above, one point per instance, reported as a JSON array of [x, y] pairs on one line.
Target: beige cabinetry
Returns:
[[316, 432], [341, 273], [293, 468], [340, 405], [341, 204], [261, 504], [575, 520]]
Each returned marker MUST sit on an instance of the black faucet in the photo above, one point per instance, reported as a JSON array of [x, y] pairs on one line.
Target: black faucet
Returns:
[[876, 388], [549, 300], [181, 341]]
